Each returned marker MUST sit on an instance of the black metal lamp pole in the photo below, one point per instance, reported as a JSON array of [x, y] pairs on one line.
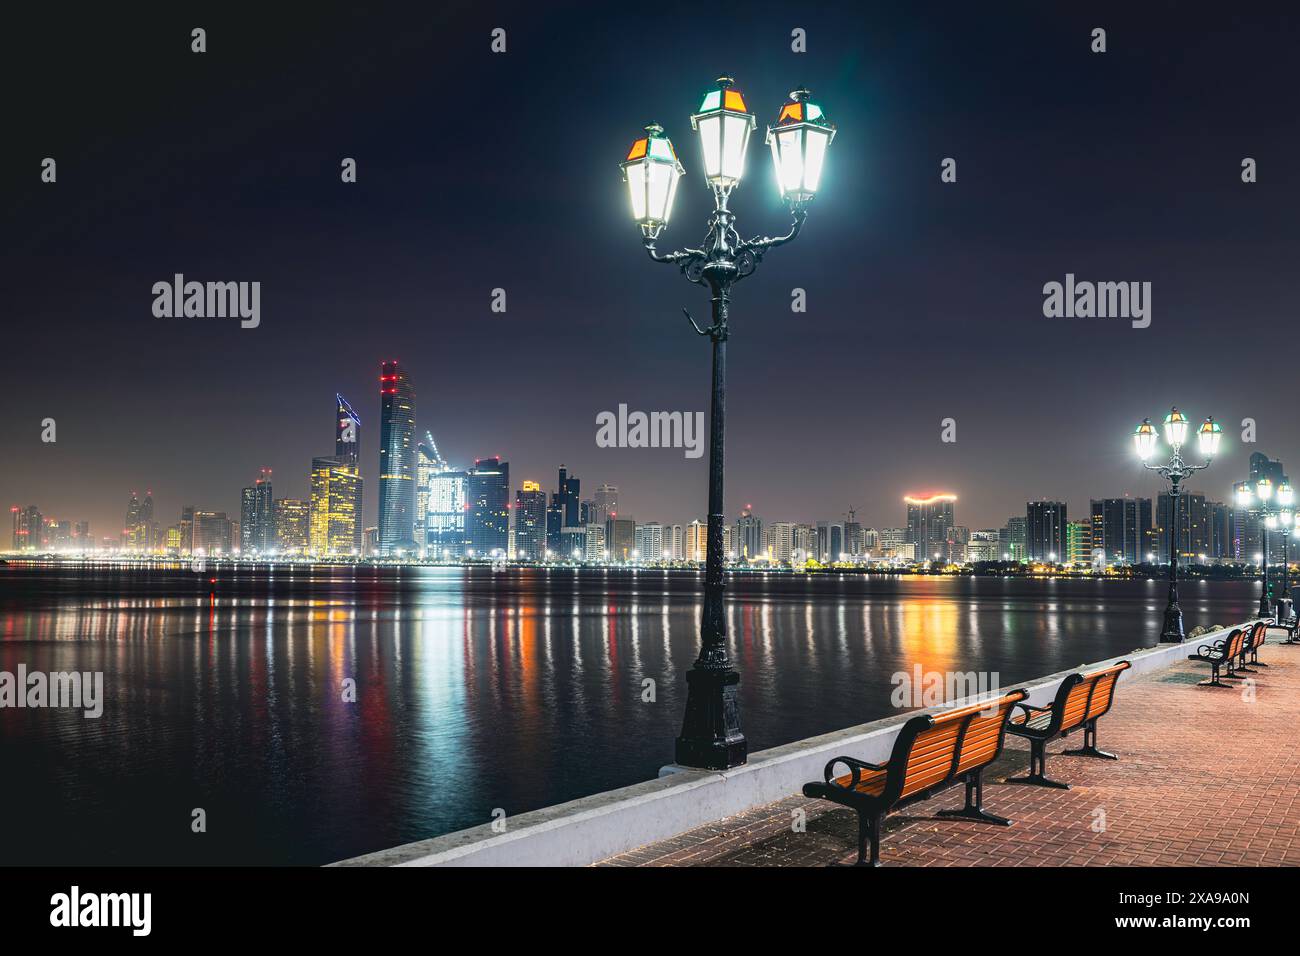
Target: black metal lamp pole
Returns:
[[1265, 605], [711, 737]]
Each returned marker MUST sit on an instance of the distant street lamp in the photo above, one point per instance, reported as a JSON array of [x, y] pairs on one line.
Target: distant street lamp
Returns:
[[711, 736], [1275, 507], [1174, 471]]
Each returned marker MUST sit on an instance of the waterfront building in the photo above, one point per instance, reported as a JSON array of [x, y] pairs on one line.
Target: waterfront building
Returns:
[[428, 463], [594, 543], [749, 535], [780, 541], [214, 533], [1121, 530], [830, 541], [697, 540], [604, 505], [620, 538], [530, 522], [257, 516], [1045, 523], [446, 533], [1013, 539], [1078, 542], [1193, 517], [487, 519], [675, 542], [649, 542], [984, 545], [335, 510], [292, 526], [347, 433], [929, 519], [397, 461]]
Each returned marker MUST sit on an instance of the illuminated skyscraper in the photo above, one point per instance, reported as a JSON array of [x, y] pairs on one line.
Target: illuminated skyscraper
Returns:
[[530, 522], [604, 505], [488, 516], [445, 517], [428, 463], [347, 433], [749, 535], [257, 516], [929, 517], [292, 526], [335, 521], [397, 460], [1045, 523]]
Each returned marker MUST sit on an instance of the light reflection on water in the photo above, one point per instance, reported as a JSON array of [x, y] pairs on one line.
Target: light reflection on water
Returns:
[[475, 690]]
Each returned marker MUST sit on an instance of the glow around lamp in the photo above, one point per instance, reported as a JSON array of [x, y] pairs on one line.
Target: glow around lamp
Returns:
[[799, 140], [724, 124], [651, 172]]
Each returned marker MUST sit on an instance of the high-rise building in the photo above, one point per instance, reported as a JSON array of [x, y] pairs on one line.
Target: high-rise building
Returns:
[[347, 433], [749, 535], [649, 542], [675, 542], [604, 504], [1078, 541], [853, 536], [830, 542], [984, 545], [140, 532], [1121, 530], [780, 541], [1248, 545], [397, 453], [804, 544], [530, 522], [335, 519], [257, 516], [488, 517], [1045, 523], [929, 517], [569, 495], [697, 541], [1193, 523], [1013, 537], [594, 543], [186, 528], [445, 519], [620, 538], [292, 525], [428, 463], [214, 533], [957, 543]]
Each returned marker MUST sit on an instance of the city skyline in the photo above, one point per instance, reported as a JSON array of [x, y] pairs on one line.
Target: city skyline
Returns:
[[403, 264]]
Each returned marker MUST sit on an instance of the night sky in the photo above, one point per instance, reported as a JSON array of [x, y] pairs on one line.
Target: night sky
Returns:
[[480, 171]]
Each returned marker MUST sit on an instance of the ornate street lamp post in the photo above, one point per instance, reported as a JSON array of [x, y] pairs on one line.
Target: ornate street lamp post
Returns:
[[711, 736], [1264, 496], [1174, 471]]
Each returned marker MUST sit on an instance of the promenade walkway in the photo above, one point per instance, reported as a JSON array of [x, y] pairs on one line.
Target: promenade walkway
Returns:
[[1206, 777]]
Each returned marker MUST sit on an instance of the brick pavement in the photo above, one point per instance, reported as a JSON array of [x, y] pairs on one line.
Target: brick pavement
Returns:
[[1206, 777]]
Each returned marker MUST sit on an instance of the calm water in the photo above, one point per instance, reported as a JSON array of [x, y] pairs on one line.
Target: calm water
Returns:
[[475, 690]]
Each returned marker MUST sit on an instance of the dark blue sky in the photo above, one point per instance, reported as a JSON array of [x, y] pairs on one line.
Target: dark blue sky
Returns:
[[480, 171]]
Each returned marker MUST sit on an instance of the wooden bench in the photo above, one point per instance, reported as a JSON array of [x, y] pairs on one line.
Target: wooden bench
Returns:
[[1223, 653], [1080, 701], [1255, 638], [931, 752]]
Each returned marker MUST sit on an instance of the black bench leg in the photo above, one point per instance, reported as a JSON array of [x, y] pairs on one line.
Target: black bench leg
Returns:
[[868, 832], [1038, 768], [1089, 748], [1254, 658], [974, 809], [1214, 678]]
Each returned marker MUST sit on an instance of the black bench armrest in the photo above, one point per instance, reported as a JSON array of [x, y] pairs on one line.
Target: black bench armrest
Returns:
[[1218, 647], [1029, 707], [855, 767]]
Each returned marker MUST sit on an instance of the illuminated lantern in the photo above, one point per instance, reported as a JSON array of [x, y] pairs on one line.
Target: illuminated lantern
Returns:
[[651, 172], [1285, 494], [1175, 427], [1209, 435], [1144, 439], [724, 124], [799, 141]]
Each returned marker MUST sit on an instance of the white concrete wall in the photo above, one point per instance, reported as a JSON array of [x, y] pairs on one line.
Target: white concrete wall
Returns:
[[584, 831]]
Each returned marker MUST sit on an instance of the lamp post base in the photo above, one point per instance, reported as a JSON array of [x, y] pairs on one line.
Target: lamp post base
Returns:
[[711, 737], [1172, 632]]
